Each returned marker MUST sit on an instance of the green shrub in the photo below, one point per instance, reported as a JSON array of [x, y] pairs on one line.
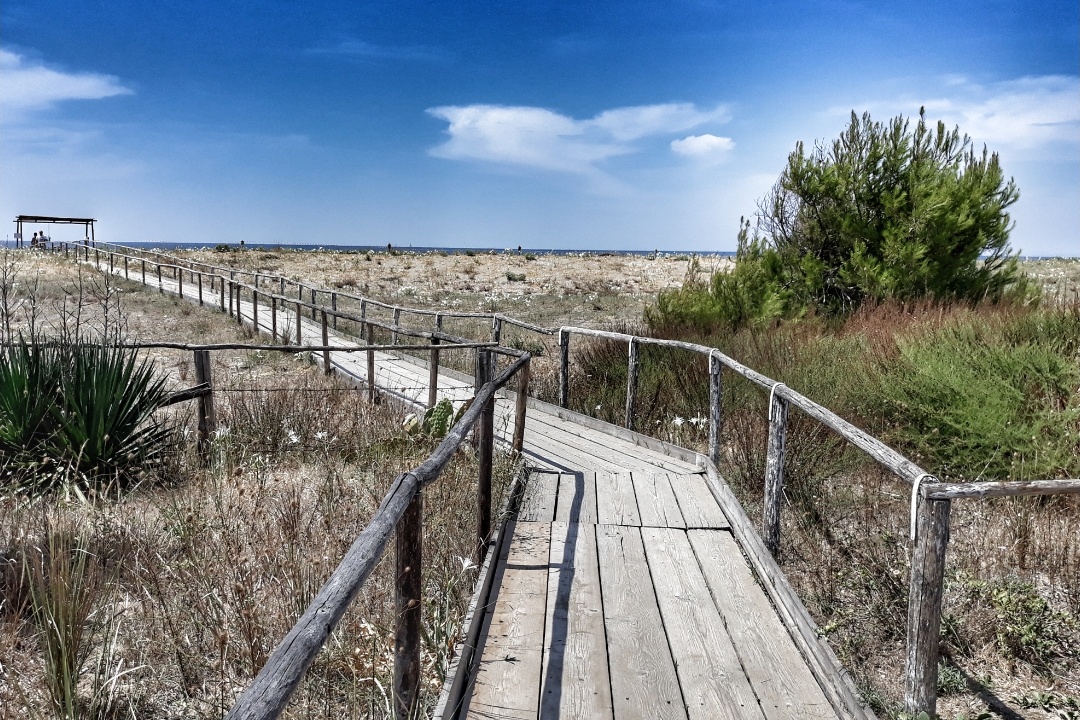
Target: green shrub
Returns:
[[985, 400], [885, 212], [515, 277], [78, 413]]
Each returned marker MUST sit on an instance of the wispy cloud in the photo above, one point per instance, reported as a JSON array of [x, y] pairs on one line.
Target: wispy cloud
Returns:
[[542, 139], [356, 48], [711, 148], [29, 86], [1026, 113]]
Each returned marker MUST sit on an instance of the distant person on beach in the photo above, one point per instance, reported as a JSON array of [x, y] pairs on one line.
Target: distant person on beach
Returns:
[[34, 240]]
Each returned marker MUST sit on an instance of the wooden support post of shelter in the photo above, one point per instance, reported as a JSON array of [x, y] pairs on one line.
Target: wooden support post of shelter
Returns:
[[524, 374], [716, 400], [631, 383], [774, 472], [409, 541], [485, 437], [564, 368], [327, 368], [924, 604], [207, 415]]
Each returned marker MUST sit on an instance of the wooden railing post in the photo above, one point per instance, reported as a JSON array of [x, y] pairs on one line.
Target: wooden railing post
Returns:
[[281, 286], [255, 310], [716, 400], [485, 437], [273, 318], [239, 295], [774, 472], [372, 395], [112, 261], [924, 605], [409, 555], [524, 375], [496, 329], [631, 383], [207, 415], [127, 276], [365, 331], [333, 306], [433, 374], [200, 289], [564, 369], [314, 302], [160, 286], [397, 322], [327, 368], [180, 282], [299, 324], [221, 290]]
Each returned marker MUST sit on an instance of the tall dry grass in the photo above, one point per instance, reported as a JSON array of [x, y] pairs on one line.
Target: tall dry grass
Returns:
[[164, 603]]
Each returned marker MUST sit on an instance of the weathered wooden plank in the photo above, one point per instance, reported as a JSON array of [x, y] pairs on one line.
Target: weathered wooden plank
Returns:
[[507, 681], [575, 680], [616, 503], [711, 677], [784, 685], [696, 502], [577, 497], [924, 606], [538, 498], [602, 448], [656, 501], [644, 685]]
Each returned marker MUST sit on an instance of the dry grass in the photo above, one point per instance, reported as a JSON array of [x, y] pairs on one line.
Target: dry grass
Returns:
[[198, 575]]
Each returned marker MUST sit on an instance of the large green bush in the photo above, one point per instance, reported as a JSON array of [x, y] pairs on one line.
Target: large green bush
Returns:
[[886, 211], [78, 413]]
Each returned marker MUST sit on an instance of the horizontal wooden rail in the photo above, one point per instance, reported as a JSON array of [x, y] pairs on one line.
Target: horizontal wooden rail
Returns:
[[220, 270], [267, 695], [957, 491], [278, 348], [191, 393]]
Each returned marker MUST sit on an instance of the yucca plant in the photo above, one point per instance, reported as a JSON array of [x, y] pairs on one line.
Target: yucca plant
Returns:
[[29, 384], [105, 418], [79, 414]]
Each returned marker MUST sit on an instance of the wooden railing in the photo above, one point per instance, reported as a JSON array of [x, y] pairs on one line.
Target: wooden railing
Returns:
[[930, 499]]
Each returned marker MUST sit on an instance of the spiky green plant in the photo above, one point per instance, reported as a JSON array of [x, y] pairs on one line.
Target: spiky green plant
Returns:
[[78, 413]]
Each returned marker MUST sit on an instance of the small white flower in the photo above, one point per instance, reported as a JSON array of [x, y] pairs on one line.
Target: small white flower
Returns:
[[678, 421]]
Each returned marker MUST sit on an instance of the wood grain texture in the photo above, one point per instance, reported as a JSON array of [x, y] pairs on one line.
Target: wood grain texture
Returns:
[[644, 685], [538, 498], [697, 504], [577, 497], [575, 679], [924, 606], [784, 685], [713, 684], [507, 683], [616, 503], [656, 501]]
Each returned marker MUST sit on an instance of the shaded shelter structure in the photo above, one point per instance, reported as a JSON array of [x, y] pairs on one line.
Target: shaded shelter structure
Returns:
[[20, 220]]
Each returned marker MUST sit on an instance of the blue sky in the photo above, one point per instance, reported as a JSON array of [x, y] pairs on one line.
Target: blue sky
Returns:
[[628, 125]]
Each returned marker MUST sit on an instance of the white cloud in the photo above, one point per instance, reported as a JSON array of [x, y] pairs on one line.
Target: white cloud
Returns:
[[705, 147], [353, 47], [1024, 114], [31, 86], [631, 123], [543, 139]]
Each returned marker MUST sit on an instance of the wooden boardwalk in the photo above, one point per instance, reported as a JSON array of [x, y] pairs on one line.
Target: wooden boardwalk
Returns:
[[619, 590]]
